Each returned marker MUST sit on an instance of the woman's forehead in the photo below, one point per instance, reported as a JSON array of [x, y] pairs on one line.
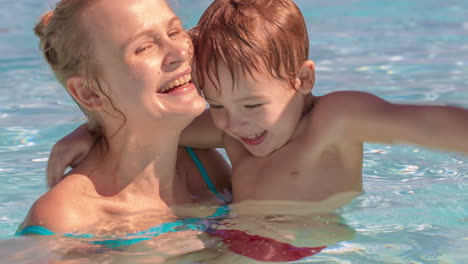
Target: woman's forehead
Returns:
[[128, 13], [120, 20]]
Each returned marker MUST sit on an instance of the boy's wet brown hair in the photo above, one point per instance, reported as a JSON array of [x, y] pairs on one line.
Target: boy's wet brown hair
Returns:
[[250, 36]]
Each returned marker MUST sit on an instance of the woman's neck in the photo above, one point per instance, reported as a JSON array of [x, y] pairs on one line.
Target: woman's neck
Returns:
[[131, 168]]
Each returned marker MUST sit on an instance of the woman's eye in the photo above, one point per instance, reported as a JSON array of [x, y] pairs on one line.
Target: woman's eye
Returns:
[[175, 33], [252, 106], [144, 48]]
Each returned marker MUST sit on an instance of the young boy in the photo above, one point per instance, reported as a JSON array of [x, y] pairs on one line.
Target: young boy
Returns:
[[283, 142]]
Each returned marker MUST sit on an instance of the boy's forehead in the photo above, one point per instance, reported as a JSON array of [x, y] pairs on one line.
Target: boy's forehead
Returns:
[[225, 81], [239, 85], [238, 94], [240, 77]]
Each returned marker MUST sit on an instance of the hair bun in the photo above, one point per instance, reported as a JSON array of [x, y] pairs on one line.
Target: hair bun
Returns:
[[41, 26]]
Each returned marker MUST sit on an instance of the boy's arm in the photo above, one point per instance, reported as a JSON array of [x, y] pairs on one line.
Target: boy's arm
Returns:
[[68, 152], [367, 118], [202, 133]]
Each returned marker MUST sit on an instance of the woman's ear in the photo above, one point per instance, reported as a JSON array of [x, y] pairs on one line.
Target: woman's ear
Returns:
[[305, 79], [83, 94]]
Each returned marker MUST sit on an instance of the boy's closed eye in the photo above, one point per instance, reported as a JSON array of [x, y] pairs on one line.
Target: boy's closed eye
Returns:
[[253, 106], [215, 106]]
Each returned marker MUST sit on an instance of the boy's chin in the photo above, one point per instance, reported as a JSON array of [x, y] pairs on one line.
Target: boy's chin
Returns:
[[258, 151]]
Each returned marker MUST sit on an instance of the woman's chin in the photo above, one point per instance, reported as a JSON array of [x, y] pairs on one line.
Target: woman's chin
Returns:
[[186, 99], [188, 110], [193, 107]]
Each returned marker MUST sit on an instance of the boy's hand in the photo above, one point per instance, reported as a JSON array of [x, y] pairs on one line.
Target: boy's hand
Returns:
[[68, 152]]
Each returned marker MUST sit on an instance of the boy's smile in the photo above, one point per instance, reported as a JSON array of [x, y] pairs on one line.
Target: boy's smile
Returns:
[[255, 139], [261, 112]]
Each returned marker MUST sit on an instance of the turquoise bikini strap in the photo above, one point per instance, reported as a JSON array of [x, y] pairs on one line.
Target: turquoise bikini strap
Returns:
[[35, 230], [204, 174]]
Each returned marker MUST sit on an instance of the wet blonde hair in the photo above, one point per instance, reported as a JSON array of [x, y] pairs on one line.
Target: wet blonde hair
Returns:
[[66, 45]]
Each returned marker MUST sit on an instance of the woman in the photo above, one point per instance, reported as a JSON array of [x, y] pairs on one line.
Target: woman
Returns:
[[127, 65]]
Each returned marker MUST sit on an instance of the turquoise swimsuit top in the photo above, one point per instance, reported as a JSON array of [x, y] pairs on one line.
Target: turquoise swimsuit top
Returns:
[[205, 176], [197, 224]]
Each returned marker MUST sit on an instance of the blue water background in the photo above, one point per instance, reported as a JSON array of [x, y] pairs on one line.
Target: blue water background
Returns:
[[416, 202]]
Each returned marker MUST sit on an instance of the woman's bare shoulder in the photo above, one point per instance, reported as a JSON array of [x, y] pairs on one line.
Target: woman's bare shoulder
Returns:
[[62, 209]]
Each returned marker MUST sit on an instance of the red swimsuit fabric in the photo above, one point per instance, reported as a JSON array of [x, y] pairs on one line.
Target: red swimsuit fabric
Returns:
[[262, 248]]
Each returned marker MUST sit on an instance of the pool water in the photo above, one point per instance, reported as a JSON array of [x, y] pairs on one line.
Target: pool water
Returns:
[[415, 206]]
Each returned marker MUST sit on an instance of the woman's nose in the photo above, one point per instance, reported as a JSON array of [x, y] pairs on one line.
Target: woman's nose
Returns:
[[177, 53]]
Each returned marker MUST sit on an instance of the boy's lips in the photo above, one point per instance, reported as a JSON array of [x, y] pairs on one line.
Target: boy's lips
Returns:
[[256, 139]]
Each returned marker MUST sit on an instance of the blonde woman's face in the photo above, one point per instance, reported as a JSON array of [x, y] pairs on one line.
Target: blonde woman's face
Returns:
[[144, 61]]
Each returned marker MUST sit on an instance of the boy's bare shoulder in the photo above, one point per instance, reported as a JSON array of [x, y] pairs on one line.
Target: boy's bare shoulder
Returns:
[[333, 114], [344, 101], [337, 107], [60, 209]]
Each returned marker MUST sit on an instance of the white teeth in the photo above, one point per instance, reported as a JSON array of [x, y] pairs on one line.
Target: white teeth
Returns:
[[180, 81], [256, 135]]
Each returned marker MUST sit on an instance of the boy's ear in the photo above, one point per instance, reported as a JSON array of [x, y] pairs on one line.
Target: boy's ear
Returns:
[[305, 79], [81, 91]]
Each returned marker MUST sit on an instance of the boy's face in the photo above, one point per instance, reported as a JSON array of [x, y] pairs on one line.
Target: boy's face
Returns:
[[261, 113]]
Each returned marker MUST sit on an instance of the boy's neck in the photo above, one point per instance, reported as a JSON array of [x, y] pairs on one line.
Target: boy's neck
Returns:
[[309, 102]]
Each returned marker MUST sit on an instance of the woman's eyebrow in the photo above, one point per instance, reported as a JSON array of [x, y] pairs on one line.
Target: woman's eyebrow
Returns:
[[174, 20], [149, 31]]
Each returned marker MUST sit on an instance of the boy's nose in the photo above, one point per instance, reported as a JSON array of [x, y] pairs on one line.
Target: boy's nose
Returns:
[[235, 123]]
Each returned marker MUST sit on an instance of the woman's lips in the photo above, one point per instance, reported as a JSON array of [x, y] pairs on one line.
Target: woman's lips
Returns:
[[182, 89]]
